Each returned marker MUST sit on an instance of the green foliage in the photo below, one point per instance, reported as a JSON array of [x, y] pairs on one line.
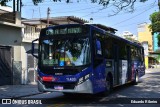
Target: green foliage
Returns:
[[4, 2], [35, 2], [143, 0], [155, 22], [158, 57]]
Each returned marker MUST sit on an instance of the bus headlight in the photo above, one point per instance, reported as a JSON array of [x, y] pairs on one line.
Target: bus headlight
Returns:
[[84, 78]]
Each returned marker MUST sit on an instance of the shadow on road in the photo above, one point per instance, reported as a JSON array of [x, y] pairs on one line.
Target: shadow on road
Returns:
[[149, 87]]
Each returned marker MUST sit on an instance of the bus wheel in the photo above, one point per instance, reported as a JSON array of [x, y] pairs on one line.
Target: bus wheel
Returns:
[[109, 85], [136, 80]]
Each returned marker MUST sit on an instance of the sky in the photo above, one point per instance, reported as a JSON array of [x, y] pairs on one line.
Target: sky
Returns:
[[123, 21]]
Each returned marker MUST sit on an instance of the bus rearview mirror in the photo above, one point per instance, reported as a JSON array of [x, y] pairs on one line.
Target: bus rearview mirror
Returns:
[[33, 48]]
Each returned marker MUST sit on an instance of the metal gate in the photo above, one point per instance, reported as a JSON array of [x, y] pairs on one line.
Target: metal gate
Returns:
[[6, 73]]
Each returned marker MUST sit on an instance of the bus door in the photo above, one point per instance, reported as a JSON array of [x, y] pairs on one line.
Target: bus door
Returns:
[[99, 67], [129, 63], [116, 64]]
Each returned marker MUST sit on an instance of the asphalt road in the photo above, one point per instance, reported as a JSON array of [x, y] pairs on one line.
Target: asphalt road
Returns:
[[141, 95]]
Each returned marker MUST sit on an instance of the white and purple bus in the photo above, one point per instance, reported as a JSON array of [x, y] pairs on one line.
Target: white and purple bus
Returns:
[[84, 58]]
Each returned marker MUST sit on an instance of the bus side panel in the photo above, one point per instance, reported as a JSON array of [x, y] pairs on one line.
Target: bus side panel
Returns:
[[137, 66], [123, 72], [140, 67], [99, 79]]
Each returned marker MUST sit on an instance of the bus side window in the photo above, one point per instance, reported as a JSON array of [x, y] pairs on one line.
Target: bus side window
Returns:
[[98, 47], [108, 48], [98, 59]]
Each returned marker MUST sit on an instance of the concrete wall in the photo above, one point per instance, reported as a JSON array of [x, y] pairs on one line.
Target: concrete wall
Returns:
[[11, 36], [24, 48]]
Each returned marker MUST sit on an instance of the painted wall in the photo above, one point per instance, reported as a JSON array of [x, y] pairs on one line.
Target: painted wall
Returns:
[[155, 39], [144, 34], [145, 46], [146, 61]]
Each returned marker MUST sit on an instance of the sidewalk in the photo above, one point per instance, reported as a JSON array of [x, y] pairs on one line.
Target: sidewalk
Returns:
[[150, 70], [16, 91]]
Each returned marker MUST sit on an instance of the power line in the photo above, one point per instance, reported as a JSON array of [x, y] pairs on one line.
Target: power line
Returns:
[[95, 12], [71, 11], [131, 17], [151, 4], [131, 24], [101, 17], [77, 10]]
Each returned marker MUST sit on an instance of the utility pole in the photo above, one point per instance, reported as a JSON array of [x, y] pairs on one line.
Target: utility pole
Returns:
[[48, 13], [40, 17], [32, 13], [20, 6], [14, 6], [17, 5]]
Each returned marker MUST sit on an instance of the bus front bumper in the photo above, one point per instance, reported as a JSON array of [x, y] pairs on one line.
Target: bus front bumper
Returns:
[[85, 87]]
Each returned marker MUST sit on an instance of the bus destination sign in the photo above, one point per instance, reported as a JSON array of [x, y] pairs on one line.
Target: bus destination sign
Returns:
[[59, 31]]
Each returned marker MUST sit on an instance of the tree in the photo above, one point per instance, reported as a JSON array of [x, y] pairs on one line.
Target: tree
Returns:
[[4, 2], [155, 24], [119, 4]]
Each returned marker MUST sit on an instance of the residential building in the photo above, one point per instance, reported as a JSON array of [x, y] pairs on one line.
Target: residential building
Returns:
[[144, 34], [146, 38], [128, 34], [10, 46]]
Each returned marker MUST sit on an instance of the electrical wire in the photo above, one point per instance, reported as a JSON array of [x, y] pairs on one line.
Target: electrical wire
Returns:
[[131, 17]]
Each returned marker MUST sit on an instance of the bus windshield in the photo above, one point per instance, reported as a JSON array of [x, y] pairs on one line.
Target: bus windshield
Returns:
[[65, 52]]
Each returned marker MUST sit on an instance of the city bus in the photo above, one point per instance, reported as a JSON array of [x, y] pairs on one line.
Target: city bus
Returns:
[[85, 58]]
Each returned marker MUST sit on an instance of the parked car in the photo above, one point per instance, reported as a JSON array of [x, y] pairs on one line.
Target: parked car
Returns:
[[151, 66]]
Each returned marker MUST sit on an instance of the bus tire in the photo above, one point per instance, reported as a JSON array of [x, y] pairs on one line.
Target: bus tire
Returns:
[[109, 84], [136, 80]]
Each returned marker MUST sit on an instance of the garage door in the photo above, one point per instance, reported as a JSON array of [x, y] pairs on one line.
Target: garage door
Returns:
[[6, 75]]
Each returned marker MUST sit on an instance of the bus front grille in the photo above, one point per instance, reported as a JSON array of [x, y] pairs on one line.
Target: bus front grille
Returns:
[[52, 85]]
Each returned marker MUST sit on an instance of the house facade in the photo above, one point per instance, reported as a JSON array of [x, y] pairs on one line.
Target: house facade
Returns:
[[150, 43], [10, 47]]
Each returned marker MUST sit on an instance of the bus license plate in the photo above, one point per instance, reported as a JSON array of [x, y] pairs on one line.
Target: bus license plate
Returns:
[[58, 87]]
